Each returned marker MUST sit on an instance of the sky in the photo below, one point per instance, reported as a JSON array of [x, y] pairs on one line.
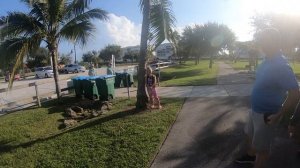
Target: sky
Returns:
[[125, 18]]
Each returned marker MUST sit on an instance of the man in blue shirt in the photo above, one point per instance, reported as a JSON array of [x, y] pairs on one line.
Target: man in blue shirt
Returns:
[[275, 92]]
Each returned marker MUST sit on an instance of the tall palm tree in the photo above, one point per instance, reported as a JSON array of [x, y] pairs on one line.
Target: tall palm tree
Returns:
[[47, 23], [158, 19]]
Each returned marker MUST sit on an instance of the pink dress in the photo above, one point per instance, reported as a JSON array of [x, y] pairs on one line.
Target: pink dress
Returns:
[[150, 83]]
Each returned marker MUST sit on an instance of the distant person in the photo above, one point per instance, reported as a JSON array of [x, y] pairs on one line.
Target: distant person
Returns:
[[92, 70], [109, 70], [7, 76], [151, 83], [275, 93]]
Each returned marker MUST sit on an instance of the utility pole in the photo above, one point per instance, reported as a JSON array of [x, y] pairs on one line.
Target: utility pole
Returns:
[[75, 53]]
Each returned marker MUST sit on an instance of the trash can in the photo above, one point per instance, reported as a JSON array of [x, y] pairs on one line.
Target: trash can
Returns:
[[105, 85], [78, 85], [70, 85], [127, 80], [118, 80], [90, 89]]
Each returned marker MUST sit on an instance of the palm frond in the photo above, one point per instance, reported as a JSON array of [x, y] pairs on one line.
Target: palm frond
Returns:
[[91, 14], [77, 7], [13, 50], [29, 3], [162, 21], [75, 29], [39, 11], [142, 4], [2, 20], [20, 24], [18, 62], [55, 11], [77, 32]]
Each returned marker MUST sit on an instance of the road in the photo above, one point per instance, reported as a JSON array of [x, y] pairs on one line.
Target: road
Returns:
[[46, 87]]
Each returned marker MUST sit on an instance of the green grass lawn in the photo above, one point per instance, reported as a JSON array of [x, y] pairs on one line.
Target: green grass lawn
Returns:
[[119, 138], [189, 74], [296, 68], [239, 65]]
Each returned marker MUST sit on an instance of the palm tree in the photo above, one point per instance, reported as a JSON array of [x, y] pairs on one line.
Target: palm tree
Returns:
[[158, 19], [47, 23]]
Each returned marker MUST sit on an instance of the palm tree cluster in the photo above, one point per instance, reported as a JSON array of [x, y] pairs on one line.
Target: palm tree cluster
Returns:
[[47, 23]]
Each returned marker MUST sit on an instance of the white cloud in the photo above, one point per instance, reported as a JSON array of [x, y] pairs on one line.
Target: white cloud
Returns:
[[117, 30], [123, 31]]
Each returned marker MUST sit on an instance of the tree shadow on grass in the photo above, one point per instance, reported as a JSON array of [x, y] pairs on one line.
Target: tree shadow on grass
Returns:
[[4, 148]]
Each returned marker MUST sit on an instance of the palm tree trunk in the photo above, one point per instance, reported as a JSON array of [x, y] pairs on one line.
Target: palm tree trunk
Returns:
[[142, 97], [53, 53], [210, 61]]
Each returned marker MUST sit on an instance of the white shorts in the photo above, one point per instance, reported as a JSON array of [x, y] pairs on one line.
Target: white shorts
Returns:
[[262, 134]]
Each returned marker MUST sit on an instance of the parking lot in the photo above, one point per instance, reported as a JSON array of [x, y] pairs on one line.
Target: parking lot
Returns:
[[19, 98]]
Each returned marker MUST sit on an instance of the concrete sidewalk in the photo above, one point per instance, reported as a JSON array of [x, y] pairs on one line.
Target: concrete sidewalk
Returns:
[[229, 83], [195, 91], [208, 132], [228, 76]]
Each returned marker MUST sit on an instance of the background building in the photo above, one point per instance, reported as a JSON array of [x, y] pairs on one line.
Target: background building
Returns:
[[163, 52]]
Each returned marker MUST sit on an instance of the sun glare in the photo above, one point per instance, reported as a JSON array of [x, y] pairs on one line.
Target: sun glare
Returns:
[[290, 7]]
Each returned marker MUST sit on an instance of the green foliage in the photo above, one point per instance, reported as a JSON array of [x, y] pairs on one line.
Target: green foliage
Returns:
[[208, 39], [65, 59], [162, 20], [119, 138], [131, 56], [110, 50], [48, 21], [188, 74], [39, 58], [91, 57]]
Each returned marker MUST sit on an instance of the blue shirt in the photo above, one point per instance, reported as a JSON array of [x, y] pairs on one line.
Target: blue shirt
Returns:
[[274, 77]]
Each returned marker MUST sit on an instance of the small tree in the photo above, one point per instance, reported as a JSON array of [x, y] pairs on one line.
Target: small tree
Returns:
[[39, 58], [91, 57], [110, 50], [65, 59], [131, 56]]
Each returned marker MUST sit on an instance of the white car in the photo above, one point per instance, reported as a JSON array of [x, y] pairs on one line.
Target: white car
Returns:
[[44, 72], [74, 68]]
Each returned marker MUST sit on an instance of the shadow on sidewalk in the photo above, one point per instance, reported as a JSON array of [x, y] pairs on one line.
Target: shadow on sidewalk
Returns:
[[216, 137]]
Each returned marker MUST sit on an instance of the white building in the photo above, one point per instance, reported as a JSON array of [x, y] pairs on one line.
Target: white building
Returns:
[[163, 52]]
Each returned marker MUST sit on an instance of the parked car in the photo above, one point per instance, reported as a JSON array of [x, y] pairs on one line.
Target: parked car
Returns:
[[44, 72], [74, 68], [7, 76]]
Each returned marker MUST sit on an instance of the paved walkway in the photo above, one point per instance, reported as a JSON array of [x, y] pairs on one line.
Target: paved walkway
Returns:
[[208, 132], [230, 83]]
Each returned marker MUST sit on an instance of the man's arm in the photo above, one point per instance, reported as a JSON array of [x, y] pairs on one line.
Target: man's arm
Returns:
[[291, 101], [289, 105], [296, 116]]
